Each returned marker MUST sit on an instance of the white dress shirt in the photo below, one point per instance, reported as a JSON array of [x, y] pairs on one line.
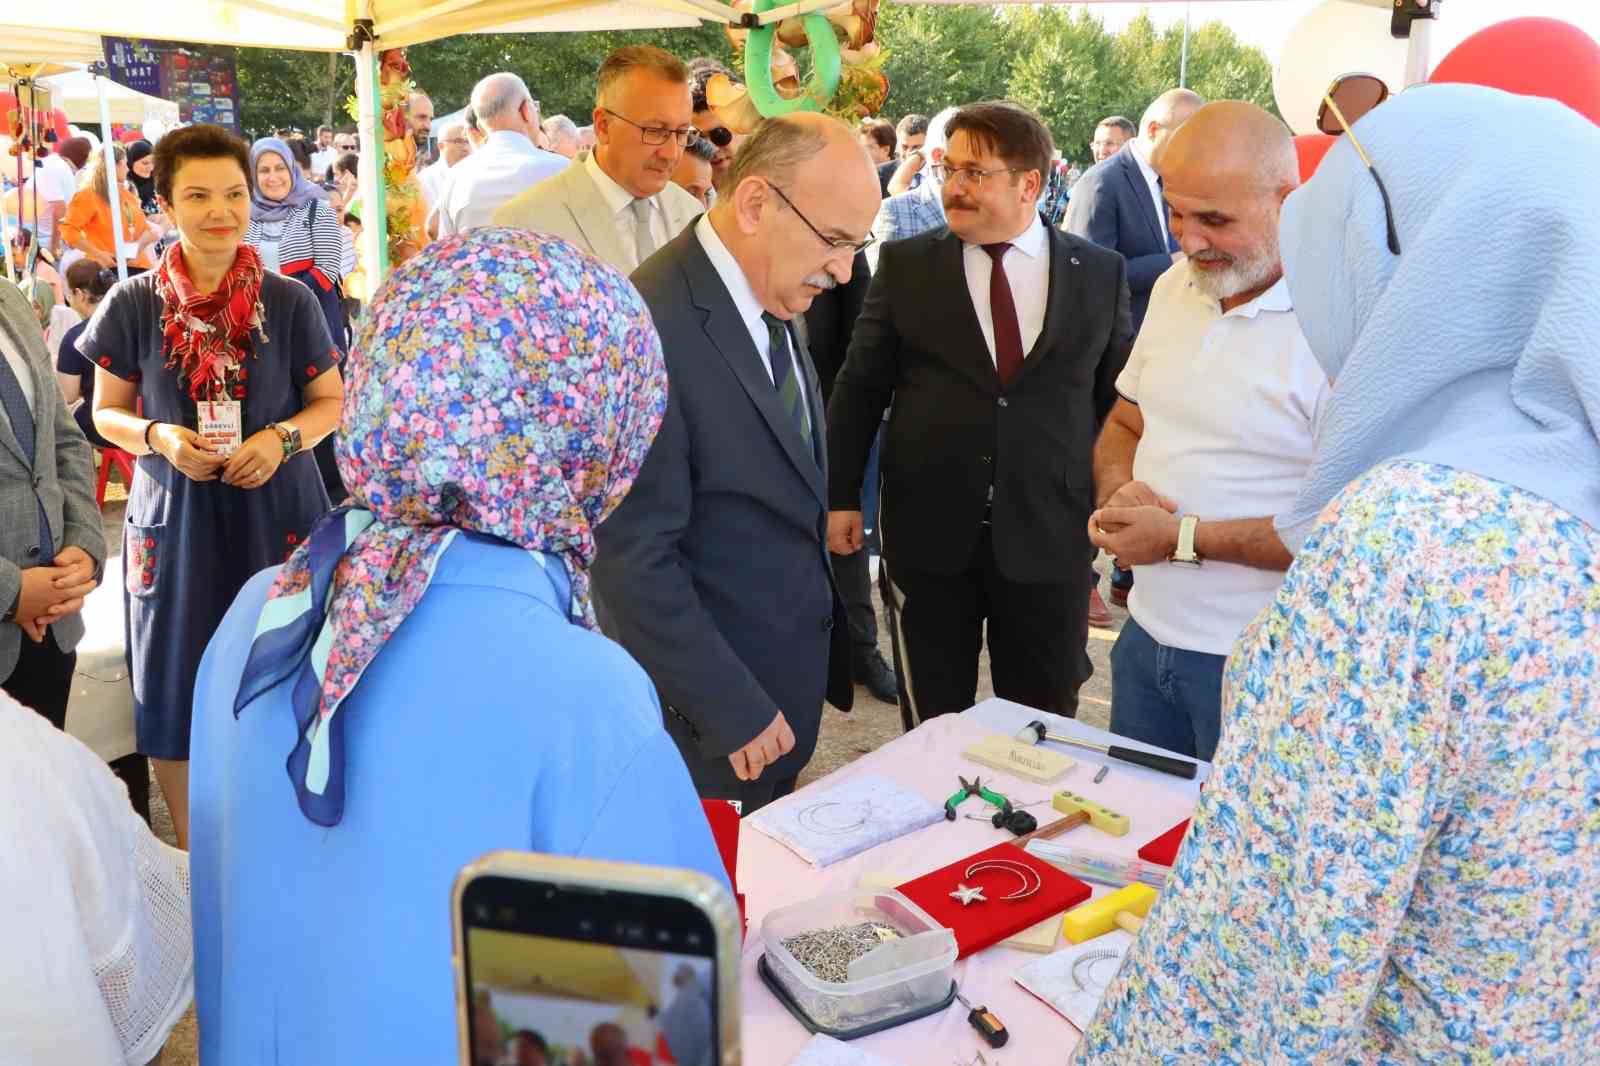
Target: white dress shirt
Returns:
[[475, 187], [431, 181], [620, 201], [1153, 180], [744, 299], [321, 160], [1229, 401], [1027, 264]]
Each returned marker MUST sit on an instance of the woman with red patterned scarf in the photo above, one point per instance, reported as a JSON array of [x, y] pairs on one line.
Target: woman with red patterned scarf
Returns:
[[221, 376]]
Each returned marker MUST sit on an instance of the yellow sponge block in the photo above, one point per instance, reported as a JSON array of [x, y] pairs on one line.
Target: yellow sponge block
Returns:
[[1099, 916]]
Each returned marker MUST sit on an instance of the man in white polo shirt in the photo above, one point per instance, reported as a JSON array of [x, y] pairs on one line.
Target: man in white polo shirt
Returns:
[[1212, 434]]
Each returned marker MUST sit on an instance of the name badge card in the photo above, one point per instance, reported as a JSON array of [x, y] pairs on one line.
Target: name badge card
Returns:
[[221, 424]]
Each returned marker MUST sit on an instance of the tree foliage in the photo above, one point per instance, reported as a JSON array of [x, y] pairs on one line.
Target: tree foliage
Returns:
[[1058, 61]]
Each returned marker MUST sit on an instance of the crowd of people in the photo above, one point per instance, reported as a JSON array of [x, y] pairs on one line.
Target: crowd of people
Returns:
[[619, 441]]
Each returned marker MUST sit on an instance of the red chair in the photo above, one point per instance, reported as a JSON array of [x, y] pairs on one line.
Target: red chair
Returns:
[[110, 457]]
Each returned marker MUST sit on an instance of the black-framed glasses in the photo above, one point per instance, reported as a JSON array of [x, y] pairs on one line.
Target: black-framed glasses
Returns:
[[838, 244], [970, 175], [654, 135], [1388, 208]]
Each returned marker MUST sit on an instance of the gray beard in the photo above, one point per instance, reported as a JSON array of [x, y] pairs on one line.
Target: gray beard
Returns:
[[1242, 276]]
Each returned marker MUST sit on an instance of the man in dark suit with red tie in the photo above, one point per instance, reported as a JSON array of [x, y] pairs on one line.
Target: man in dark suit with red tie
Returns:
[[999, 341]]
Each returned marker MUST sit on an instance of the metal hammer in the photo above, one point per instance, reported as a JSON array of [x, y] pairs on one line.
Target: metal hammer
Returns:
[[1036, 732]]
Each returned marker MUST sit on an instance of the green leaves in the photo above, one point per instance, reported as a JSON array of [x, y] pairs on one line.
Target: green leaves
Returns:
[[1056, 60]]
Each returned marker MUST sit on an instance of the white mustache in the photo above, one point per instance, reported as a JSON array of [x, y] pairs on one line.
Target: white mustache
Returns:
[[824, 282]]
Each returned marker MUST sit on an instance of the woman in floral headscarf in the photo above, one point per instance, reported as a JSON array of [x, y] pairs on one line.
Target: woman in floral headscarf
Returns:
[[428, 664]]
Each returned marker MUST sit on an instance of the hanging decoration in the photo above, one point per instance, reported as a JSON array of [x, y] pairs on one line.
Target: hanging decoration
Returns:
[[846, 79], [405, 213]]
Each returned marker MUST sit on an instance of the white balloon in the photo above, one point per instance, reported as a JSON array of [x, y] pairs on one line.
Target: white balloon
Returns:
[[1336, 37], [153, 129]]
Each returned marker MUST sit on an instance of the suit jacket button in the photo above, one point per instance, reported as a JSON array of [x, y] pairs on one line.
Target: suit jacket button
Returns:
[[987, 460], [33, 552], [38, 482], [1002, 401], [827, 624]]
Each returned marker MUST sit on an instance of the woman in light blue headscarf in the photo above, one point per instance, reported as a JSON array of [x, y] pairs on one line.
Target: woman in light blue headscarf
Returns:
[[1398, 856]]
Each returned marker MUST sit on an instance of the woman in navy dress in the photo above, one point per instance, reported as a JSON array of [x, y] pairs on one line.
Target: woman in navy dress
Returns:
[[207, 341]]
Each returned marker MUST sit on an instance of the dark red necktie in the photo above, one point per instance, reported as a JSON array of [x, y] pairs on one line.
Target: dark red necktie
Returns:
[[1003, 309]]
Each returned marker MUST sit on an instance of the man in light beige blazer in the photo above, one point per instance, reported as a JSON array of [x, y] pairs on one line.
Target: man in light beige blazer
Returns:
[[618, 202]]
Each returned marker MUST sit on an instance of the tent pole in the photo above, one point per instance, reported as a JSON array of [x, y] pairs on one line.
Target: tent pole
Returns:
[[1183, 63], [1417, 52], [5, 234], [113, 186], [374, 214]]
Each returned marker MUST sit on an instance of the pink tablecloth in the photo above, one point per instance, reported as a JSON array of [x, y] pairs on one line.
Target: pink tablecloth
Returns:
[[928, 761]]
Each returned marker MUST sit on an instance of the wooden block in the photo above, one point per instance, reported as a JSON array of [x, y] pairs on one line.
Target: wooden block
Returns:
[[1024, 760], [1040, 939], [1102, 818], [1099, 916]]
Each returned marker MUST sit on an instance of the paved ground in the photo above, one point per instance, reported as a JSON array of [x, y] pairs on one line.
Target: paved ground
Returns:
[[844, 737]]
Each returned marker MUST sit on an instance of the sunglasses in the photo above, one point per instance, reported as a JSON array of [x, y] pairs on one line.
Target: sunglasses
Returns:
[[1332, 105], [721, 136], [1353, 95]]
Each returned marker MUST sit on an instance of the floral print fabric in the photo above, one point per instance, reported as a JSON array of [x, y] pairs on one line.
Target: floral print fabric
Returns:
[[1397, 858], [505, 383]]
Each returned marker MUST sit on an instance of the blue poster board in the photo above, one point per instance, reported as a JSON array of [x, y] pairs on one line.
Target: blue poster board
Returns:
[[202, 80]]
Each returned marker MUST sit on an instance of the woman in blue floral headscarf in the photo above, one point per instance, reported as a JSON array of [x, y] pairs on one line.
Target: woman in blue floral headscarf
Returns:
[[427, 665]]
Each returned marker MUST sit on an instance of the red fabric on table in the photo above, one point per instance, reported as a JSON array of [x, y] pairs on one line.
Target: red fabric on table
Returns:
[[979, 925], [1164, 848], [724, 820]]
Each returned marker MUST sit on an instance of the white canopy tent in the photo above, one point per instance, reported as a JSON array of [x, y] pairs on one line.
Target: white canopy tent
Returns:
[[366, 27], [78, 94]]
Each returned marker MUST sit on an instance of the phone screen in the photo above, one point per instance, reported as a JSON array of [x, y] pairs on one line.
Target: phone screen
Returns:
[[578, 976]]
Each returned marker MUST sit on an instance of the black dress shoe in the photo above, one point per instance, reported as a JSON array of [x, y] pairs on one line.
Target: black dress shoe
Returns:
[[870, 670]]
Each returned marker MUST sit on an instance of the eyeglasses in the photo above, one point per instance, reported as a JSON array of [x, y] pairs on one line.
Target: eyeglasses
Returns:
[[838, 244], [654, 135], [1388, 208], [721, 136], [971, 175], [454, 140]]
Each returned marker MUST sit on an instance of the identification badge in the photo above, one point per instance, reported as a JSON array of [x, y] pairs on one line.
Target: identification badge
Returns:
[[221, 424]]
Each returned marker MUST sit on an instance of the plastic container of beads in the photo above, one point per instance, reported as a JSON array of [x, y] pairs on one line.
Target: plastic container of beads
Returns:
[[909, 974]]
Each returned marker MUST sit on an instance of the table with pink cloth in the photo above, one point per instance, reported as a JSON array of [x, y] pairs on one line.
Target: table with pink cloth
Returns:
[[927, 761]]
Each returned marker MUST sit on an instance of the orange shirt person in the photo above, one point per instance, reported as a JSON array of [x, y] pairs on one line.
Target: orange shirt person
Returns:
[[87, 224]]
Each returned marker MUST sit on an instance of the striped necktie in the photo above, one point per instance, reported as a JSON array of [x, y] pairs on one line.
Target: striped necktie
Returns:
[[790, 396]]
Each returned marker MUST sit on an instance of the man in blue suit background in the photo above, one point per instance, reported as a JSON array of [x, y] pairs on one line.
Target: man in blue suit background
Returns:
[[1117, 204]]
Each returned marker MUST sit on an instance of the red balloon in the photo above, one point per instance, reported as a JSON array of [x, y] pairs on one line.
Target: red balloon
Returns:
[[1531, 57], [1311, 147]]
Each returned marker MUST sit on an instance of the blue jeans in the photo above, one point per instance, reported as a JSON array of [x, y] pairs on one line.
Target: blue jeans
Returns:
[[1165, 696]]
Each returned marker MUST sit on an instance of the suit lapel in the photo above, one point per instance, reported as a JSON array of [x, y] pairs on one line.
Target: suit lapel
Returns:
[[13, 305], [593, 217], [727, 333], [1063, 288], [1141, 196]]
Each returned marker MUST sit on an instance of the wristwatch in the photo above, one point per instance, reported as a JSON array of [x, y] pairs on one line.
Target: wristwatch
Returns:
[[1184, 554], [289, 435]]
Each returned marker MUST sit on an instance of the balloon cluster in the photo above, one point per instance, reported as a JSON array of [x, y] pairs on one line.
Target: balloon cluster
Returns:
[[846, 79]]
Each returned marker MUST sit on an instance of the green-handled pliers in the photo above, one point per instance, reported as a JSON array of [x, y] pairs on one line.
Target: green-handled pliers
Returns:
[[975, 788]]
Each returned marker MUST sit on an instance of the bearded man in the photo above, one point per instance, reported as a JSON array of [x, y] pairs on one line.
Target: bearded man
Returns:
[[1211, 434]]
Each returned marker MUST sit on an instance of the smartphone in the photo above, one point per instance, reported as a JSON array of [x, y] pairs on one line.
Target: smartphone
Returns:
[[575, 962]]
